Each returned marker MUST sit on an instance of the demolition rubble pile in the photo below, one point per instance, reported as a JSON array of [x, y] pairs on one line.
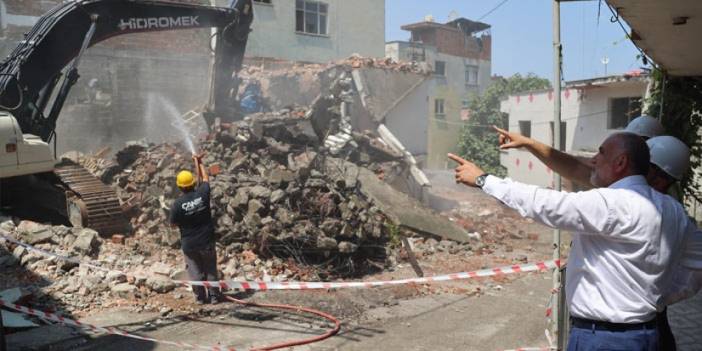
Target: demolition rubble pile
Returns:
[[275, 86], [287, 198], [353, 62], [273, 192], [285, 183], [387, 63]]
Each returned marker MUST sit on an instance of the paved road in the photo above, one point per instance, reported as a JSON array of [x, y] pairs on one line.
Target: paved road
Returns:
[[501, 319], [686, 321]]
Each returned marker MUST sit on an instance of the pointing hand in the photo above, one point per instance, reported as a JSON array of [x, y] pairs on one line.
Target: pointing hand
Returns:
[[466, 172], [511, 140]]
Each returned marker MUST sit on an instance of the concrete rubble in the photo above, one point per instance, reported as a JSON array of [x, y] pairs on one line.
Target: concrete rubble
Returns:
[[290, 203]]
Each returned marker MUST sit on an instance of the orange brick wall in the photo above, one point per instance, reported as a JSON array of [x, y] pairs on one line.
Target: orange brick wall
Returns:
[[453, 42]]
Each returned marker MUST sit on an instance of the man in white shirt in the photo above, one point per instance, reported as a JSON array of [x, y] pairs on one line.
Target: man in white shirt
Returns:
[[670, 159], [620, 260]]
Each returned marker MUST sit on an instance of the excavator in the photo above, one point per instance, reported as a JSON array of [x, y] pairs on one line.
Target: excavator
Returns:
[[36, 78]]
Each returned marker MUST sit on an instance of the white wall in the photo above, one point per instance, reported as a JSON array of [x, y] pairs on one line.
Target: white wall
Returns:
[[585, 111], [591, 127], [353, 27], [408, 120], [537, 108]]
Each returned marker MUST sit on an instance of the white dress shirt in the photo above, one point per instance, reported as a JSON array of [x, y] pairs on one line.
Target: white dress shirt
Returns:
[[626, 241], [686, 280]]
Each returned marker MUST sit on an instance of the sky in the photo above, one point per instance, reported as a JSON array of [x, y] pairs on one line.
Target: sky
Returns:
[[522, 34]]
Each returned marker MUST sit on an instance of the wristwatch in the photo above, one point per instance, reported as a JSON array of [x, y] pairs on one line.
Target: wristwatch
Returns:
[[480, 180]]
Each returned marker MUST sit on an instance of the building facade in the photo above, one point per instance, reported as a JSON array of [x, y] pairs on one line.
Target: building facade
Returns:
[[317, 31], [460, 54], [591, 110]]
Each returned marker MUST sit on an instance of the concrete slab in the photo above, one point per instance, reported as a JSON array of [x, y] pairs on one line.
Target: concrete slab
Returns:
[[384, 89], [16, 320], [398, 206]]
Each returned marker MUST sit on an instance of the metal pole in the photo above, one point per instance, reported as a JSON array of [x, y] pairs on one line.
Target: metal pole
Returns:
[[558, 320]]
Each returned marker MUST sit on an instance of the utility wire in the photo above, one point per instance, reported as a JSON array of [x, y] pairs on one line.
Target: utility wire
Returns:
[[493, 9], [468, 124], [616, 19]]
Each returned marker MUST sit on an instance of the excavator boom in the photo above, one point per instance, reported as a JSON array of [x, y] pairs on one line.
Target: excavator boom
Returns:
[[30, 74], [48, 58]]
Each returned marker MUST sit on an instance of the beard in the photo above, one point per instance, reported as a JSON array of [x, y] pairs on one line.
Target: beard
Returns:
[[595, 180]]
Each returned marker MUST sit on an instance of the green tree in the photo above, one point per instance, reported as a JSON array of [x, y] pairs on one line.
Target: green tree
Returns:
[[681, 117], [478, 140]]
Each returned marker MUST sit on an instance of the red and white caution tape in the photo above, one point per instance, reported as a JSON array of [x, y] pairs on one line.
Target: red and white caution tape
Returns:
[[107, 330], [260, 285]]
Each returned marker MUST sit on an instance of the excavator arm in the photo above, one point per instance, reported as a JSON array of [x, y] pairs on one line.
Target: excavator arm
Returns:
[[51, 51]]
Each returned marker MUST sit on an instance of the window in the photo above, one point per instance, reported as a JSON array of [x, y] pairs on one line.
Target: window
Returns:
[[471, 75], [311, 17], [622, 111], [525, 128], [465, 104], [563, 134], [439, 107], [263, 1], [440, 68]]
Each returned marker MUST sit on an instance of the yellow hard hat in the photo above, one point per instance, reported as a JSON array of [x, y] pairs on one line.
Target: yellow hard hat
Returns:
[[185, 179]]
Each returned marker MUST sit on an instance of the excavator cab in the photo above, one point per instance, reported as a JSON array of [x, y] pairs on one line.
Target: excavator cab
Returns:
[[22, 153]]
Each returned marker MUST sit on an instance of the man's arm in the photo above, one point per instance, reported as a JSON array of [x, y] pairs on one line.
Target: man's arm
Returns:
[[173, 217], [691, 256], [202, 175], [586, 212], [685, 284], [571, 167]]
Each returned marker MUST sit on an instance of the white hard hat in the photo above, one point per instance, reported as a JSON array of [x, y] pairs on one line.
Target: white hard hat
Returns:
[[645, 126], [670, 154]]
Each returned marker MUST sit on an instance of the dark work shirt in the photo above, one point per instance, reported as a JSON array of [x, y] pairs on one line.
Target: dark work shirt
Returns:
[[191, 213]]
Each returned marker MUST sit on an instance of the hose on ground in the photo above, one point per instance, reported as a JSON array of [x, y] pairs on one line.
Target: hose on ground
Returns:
[[329, 317]]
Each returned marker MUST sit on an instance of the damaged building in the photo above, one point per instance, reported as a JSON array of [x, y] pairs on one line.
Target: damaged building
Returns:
[[460, 54], [297, 195], [138, 85]]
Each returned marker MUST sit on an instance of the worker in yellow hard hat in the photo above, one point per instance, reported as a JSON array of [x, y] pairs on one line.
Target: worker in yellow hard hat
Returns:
[[192, 214], [185, 181]]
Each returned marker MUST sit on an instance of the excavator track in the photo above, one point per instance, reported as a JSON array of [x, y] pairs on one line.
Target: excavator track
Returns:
[[91, 203]]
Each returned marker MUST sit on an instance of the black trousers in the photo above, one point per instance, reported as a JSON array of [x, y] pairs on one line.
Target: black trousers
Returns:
[[666, 339], [202, 265]]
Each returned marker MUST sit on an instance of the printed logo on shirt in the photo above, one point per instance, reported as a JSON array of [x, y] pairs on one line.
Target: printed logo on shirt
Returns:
[[193, 205]]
